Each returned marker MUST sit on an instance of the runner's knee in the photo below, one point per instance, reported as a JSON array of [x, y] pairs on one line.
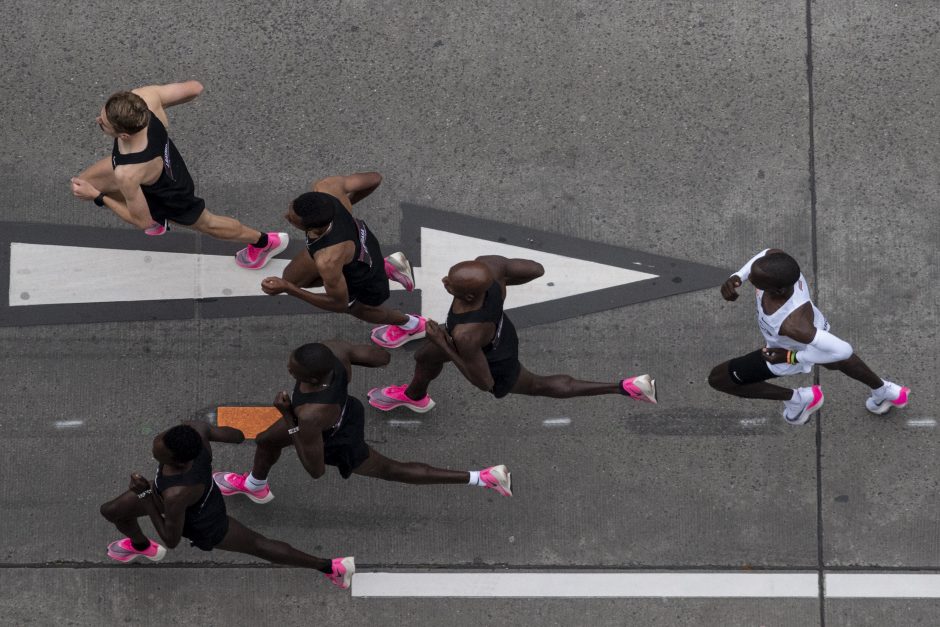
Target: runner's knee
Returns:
[[110, 511], [718, 378]]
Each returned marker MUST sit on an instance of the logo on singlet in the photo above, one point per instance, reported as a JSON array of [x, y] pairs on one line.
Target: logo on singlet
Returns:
[[364, 256], [499, 330], [167, 165]]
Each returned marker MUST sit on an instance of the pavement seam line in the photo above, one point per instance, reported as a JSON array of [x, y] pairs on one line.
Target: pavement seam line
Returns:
[[811, 158]]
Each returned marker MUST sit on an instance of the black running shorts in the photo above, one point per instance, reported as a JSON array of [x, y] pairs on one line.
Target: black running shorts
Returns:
[[750, 368], [505, 374], [206, 537], [347, 449], [371, 289], [186, 216]]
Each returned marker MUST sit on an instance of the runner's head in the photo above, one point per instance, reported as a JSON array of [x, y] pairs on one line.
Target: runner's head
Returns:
[[775, 273], [310, 362], [178, 445], [468, 280], [313, 210], [124, 114]]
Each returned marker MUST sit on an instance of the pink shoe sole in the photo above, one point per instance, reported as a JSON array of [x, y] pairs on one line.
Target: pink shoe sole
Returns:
[[389, 406]]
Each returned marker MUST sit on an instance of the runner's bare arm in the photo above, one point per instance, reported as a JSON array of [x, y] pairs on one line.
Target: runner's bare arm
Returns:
[[171, 94], [215, 433], [137, 210], [308, 437], [168, 514], [512, 271], [334, 283], [355, 187], [366, 355], [466, 351]]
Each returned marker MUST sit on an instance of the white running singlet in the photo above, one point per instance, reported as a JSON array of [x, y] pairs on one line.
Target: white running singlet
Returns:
[[770, 326]]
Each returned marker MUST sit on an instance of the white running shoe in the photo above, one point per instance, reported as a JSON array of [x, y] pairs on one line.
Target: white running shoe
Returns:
[[896, 396], [798, 412]]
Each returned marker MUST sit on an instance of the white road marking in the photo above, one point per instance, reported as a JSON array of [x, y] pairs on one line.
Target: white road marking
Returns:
[[65, 424], [556, 422], [587, 585], [564, 276], [646, 585], [883, 585], [59, 275], [922, 422], [404, 423], [752, 422], [45, 274]]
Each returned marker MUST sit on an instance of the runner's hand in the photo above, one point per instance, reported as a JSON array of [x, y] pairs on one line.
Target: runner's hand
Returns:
[[275, 285], [282, 402], [439, 336], [774, 355], [83, 189], [138, 484], [729, 289]]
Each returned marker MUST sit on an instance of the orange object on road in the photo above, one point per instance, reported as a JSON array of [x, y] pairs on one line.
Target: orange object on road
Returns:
[[249, 420]]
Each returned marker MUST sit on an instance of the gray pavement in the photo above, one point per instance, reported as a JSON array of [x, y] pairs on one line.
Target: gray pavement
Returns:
[[673, 128]]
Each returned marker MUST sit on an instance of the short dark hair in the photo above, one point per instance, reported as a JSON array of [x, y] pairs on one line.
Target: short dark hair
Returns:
[[184, 442], [316, 209], [127, 112], [780, 268], [315, 359]]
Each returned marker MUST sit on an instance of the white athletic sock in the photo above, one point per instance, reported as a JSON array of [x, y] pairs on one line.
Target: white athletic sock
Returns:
[[254, 484], [412, 324], [475, 478], [796, 398]]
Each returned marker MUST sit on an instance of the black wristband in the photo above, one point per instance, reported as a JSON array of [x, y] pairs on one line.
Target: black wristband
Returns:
[[99, 199]]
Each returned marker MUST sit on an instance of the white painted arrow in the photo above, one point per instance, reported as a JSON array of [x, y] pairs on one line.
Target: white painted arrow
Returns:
[[44, 274], [564, 276]]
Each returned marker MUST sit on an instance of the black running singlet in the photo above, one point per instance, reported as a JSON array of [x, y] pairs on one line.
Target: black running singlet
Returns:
[[207, 516], [505, 342], [346, 228], [172, 193], [333, 394]]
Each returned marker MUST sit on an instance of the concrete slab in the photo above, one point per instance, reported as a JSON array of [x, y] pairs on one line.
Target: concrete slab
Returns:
[[150, 596], [877, 158]]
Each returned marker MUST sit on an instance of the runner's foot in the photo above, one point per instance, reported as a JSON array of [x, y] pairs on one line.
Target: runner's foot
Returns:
[[398, 269], [497, 478], [393, 336], [123, 551], [229, 483], [394, 396], [254, 258], [641, 388], [809, 401], [343, 570], [157, 229], [894, 396]]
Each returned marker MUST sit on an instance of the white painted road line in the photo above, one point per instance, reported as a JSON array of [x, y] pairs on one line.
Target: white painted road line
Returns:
[[43, 274], [556, 422], [882, 586], [922, 423], [564, 276], [586, 585]]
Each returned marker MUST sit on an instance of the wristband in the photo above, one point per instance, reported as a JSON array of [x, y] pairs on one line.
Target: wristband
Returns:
[[145, 493], [293, 430], [99, 199]]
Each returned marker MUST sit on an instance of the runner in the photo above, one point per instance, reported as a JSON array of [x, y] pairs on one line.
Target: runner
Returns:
[[481, 341], [145, 181], [184, 502], [796, 337], [344, 257], [325, 425]]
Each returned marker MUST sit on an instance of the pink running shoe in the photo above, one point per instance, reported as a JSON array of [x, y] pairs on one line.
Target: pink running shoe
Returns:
[[398, 269], [254, 258], [811, 400], [393, 336], [880, 406], [641, 388], [229, 483], [343, 570], [393, 396], [124, 551], [157, 229], [498, 478]]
